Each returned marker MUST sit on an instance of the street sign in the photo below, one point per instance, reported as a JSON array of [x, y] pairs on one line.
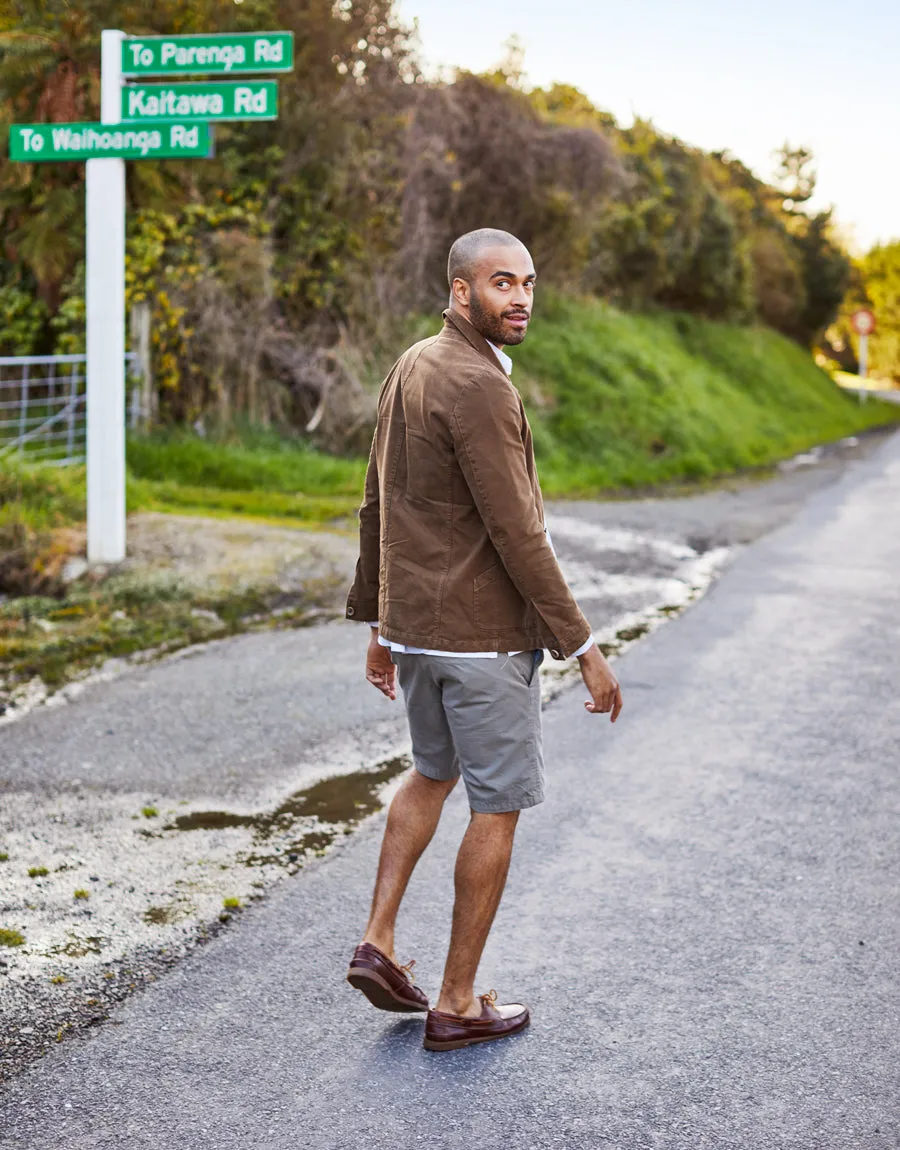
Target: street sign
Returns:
[[37, 143], [139, 123], [863, 321], [205, 55], [250, 100]]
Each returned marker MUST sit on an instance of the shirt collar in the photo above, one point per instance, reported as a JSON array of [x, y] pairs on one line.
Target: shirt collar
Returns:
[[505, 362]]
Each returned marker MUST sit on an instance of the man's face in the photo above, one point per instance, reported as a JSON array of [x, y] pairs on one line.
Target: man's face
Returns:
[[501, 295]]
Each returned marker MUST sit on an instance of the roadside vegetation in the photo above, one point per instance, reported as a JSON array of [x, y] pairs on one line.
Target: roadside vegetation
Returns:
[[623, 401], [681, 298]]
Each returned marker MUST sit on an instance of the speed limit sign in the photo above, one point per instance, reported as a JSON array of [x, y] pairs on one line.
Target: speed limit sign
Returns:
[[863, 321]]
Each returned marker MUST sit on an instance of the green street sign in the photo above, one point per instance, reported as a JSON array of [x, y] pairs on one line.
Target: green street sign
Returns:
[[250, 100], [36, 143], [199, 55]]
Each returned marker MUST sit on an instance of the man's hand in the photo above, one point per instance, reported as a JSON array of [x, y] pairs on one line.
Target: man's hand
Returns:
[[601, 682], [380, 671]]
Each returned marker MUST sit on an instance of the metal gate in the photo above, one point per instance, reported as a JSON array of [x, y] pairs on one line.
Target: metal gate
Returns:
[[43, 407]]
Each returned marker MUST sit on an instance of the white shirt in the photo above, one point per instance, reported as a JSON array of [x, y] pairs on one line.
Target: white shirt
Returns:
[[507, 364]]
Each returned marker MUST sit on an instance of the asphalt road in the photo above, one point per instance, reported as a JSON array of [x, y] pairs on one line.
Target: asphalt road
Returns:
[[703, 916], [229, 719]]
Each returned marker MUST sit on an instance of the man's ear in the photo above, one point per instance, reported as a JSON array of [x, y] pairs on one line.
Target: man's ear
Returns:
[[460, 292]]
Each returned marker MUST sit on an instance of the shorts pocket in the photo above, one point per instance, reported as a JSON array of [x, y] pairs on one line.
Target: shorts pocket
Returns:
[[527, 664]]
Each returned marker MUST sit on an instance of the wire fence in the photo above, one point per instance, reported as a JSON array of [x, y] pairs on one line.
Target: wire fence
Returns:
[[43, 407]]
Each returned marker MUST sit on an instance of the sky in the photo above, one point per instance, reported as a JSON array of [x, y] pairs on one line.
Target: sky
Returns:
[[817, 73]]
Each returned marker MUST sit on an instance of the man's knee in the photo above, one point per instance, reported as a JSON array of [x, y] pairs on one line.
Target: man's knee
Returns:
[[500, 822], [429, 786]]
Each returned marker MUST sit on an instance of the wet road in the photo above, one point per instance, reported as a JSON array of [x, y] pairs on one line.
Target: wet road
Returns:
[[703, 916]]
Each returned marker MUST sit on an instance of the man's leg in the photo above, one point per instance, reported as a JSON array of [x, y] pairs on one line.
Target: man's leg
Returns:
[[411, 823], [481, 869]]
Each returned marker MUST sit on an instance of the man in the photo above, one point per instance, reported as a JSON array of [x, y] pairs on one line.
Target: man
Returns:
[[460, 585]]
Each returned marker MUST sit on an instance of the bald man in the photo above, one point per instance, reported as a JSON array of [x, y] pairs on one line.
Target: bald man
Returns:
[[460, 585]]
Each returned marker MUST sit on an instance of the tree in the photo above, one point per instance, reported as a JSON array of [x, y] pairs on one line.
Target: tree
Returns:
[[881, 278], [795, 175]]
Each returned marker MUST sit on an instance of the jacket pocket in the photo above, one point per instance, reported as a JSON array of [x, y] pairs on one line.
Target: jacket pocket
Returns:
[[498, 605]]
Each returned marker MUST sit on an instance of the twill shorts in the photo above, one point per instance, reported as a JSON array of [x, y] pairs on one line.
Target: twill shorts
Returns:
[[480, 718]]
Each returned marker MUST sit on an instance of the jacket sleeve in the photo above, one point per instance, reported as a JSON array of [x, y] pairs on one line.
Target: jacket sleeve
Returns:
[[486, 425], [362, 602]]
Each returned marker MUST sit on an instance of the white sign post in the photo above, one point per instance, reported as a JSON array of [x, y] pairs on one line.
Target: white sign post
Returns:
[[169, 135], [863, 323], [105, 307]]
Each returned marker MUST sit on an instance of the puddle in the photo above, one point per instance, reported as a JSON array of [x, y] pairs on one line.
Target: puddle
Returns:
[[210, 821], [307, 822]]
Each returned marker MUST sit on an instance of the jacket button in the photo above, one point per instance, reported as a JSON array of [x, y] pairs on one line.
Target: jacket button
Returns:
[[555, 654], [351, 610]]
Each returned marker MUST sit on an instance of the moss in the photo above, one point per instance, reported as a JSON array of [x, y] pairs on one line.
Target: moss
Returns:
[[82, 893], [231, 903], [126, 614], [58, 979], [11, 937], [3, 856], [149, 812], [37, 871]]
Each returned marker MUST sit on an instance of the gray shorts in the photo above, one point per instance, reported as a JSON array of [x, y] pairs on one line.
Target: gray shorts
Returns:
[[480, 718]]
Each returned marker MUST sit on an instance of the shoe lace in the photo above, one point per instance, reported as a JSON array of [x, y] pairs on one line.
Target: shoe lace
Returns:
[[408, 969], [490, 998]]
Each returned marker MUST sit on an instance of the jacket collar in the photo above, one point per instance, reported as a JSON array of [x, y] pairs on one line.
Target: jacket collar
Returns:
[[474, 337]]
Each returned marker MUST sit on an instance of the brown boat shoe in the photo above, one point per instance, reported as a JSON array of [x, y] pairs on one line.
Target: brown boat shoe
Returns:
[[452, 1031], [385, 984]]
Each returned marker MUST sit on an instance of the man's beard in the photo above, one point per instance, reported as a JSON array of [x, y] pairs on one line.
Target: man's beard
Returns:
[[490, 325]]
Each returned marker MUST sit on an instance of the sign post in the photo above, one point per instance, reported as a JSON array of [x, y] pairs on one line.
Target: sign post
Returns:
[[105, 313], [140, 122], [863, 323]]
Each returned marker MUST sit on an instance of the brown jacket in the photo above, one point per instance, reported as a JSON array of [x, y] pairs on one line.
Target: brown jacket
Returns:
[[453, 554]]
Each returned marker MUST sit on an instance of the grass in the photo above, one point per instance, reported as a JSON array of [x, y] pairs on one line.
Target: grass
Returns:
[[256, 474], [37, 871], [252, 462], [621, 401], [81, 893], [11, 937]]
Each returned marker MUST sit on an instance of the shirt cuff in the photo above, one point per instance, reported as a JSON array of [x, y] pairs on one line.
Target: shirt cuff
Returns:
[[373, 624], [584, 648]]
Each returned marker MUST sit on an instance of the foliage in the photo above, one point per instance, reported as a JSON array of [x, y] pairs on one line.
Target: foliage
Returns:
[[280, 273], [619, 400], [470, 144], [880, 272], [795, 174], [670, 238], [23, 319]]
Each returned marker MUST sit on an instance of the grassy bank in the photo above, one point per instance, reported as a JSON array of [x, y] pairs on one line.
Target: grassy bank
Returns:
[[622, 401], [616, 400]]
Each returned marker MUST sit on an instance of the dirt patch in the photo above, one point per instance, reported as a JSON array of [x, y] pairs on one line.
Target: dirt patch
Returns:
[[185, 581], [229, 554]]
